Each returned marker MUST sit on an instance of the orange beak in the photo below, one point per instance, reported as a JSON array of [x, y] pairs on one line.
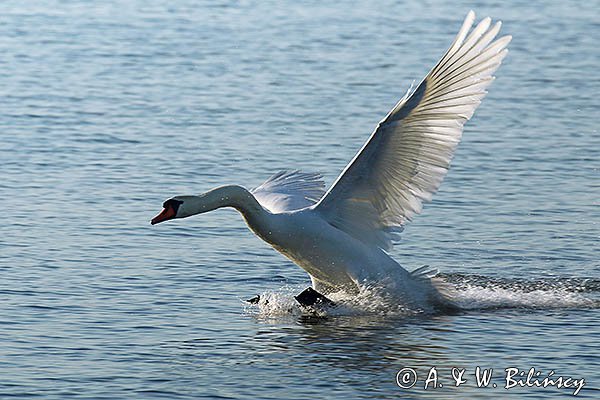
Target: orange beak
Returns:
[[165, 215]]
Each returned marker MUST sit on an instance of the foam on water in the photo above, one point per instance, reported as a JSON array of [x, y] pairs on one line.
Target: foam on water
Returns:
[[368, 301], [474, 298], [470, 292]]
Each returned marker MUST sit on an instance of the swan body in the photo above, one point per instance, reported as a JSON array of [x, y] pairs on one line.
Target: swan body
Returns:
[[341, 237]]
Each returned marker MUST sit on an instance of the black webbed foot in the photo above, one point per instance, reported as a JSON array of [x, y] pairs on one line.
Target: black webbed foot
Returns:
[[310, 298]]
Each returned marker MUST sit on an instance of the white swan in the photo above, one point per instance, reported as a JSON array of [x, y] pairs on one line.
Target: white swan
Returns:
[[341, 237]]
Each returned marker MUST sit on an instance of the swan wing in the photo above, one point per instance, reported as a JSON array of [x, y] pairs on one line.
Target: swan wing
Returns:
[[290, 190], [407, 156]]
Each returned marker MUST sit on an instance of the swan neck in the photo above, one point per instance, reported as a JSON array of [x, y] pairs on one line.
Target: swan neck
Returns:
[[243, 201]]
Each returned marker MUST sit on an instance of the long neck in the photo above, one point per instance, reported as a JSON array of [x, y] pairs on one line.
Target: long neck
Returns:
[[227, 196], [241, 199], [259, 219], [256, 216]]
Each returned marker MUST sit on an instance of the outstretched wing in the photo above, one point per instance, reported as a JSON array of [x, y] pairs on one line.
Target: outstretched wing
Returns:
[[407, 156], [290, 190]]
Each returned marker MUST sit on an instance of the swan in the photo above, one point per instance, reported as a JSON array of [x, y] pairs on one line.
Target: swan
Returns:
[[342, 237]]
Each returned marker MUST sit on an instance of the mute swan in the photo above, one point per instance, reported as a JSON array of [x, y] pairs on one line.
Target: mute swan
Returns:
[[341, 237]]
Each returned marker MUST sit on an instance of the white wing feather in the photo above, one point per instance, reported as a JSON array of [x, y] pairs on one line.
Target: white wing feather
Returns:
[[407, 156], [289, 190]]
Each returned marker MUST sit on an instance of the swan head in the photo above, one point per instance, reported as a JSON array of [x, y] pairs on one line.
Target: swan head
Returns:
[[186, 206], [172, 208]]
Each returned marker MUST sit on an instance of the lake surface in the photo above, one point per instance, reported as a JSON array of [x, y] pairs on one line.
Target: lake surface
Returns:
[[109, 109]]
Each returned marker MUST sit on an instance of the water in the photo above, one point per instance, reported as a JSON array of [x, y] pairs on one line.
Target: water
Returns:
[[110, 108]]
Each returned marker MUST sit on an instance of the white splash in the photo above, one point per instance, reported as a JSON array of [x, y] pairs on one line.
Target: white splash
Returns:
[[469, 297]]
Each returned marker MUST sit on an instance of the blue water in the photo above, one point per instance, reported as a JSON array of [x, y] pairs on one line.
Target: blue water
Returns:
[[109, 109]]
